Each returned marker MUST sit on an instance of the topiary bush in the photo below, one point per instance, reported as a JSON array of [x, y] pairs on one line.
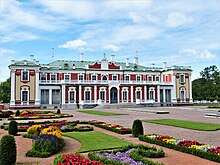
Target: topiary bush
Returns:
[[7, 150], [17, 113], [137, 128], [58, 111], [13, 128]]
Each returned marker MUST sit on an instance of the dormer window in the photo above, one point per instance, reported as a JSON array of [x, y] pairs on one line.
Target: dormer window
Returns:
[[25, 76]]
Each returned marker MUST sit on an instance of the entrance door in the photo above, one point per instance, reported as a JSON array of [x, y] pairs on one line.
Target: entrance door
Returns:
[[114, 95], [161, 95]]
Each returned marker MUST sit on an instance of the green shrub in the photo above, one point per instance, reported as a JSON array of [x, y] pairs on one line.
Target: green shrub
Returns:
[[137, 128], [17, 113], [58, 159], [58, 111], [34, 153], [7, 150], [13, 128]]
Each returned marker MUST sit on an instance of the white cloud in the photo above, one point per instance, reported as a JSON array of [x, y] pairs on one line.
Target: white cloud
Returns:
[[4, 51], [18, 36], [112, 47], [75, 44], [198, 54], [176, 19], [143, 18]]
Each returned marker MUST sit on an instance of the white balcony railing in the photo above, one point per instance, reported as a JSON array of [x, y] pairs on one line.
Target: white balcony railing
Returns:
[[103, 82]]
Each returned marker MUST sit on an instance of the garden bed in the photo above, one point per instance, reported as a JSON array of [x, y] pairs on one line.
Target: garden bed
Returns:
[[192, 147]]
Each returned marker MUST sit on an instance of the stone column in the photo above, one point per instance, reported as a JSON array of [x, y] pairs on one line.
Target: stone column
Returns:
[[158, 93], [50, 96], [63, 94], [145, 93], [80, 93], [132, 94], [95, 93]]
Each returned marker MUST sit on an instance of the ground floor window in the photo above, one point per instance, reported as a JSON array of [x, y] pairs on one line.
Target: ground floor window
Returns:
[[45, 96], [125, 96], [138, 94], [182, 95], [24, 96], [72, 96], [56, 96], [102, 95], [151, 95], [87, 95]]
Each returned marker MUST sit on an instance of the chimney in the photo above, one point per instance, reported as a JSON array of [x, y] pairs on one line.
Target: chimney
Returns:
[[113, 58], [152, 65], [164, 65], [12, 61], [32, 57], [127, 62], [81, 57]]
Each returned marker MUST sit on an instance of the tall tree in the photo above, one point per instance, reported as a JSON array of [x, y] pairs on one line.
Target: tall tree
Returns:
[[5, 91]]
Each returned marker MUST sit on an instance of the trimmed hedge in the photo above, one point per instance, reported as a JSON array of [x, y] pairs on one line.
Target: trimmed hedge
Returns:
[[193, 151], [137, 128], [8, 150], [13, 128]]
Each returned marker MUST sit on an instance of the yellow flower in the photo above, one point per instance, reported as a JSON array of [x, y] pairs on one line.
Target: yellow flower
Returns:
[[33, 129]]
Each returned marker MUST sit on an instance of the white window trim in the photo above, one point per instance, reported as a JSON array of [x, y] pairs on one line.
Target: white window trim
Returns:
[[138, 89], [79, 76], [184, 78], [125, 89], [116, 77], [102, 89], [67, 74], [22, 89], [149, 77], [27, 75], [151, 89], [139, 76], [128, 77], [55, 77], [72, 89], [90, 93]]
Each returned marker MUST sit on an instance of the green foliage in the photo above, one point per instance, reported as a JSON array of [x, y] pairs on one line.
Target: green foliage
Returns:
[[58, 159], [137, 128], [7, 150], [58, 111], [193, 151], [207, 87], [34, 153], [13, 128], [5, 91], [17, 113], [30, 136]]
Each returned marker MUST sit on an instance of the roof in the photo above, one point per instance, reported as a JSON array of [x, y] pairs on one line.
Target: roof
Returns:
[[25, 63]]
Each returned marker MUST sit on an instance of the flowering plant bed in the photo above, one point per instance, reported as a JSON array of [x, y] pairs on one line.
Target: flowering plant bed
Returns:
[[132, 154], [66, 159], [192, 147], [111, 127]]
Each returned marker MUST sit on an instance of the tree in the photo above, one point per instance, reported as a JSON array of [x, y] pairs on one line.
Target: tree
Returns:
[[5, 91]]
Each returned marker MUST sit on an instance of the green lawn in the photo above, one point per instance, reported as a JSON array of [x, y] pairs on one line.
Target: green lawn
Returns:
[[101, 113], [206, 104], [186, 124], [92, 141]]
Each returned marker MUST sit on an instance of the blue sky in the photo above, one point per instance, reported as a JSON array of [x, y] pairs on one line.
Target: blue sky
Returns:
[[184, 32]]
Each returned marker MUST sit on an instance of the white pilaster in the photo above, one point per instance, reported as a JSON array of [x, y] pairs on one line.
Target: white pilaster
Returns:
[[190, 90], [80, 93], [95, 93], [145, 93], [50, 96], [63, 94], [174, 90], [37, 92], [164, 96], [12, 102], [132, 94], [158, 93]]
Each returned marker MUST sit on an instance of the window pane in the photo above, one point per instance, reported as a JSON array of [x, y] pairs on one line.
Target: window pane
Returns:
[[114, 78], [157, 78], [182, 79], [93, 77], [150, 78], [24, 96], [25, 75], [67, 77], [138, 95], [151, 95], [56, 96], [127, 78], [44, 96], [43, 77], [80, 77], [138, 78], [87, 95], [102, 95], [124, 95]]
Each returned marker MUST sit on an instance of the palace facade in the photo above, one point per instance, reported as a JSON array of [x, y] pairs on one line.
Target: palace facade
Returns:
[[66, 84]]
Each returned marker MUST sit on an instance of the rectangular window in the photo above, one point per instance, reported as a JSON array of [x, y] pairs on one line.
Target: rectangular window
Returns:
[[102, 95], [53, 78], [127, 78], [93, 77], [25, 76], [43, 77], [138, 95], [24, 96], [56, 96], [151, 95], [67, 77], [87, 96], [81, 77], [138, 78], [114, 78], [72, 96], [168, 95], [157, 78], [45, 96], [150, 78], [182, 96], [182, 78], [125, 96]]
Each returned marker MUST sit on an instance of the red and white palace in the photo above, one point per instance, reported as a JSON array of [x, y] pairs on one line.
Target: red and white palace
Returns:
[[64, 84]]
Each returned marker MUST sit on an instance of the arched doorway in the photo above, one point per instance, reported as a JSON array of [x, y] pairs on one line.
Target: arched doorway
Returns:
[[113, 95]]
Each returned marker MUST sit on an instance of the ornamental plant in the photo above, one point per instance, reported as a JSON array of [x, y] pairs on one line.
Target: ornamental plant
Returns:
[[52, 131], [13, 128], [17, 113], [34, 129], [7, 150], [137, 128]]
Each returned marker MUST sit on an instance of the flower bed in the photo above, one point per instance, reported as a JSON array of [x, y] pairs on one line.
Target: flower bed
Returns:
[[192, 147], [111, 127], [67, 159], [132, 154], [48, 142]]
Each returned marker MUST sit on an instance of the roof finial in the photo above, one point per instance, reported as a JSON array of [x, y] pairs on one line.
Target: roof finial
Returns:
[[104, 56]]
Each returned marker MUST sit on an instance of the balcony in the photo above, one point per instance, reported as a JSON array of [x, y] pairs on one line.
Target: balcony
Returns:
[[104, 82]]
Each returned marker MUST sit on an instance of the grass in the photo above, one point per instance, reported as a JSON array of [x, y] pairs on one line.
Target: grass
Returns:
[[206, 104], [93, 141], [186, 124], [101, 113]]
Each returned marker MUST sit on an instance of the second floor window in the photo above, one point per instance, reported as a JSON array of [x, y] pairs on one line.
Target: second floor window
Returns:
[[150, 78], [81, 77], [67, 77], [115, 78], [127, 78], [138, 78], [53, 77], [157, 78], [93, 77], [182, 78], [43, 77], [25, 76]]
